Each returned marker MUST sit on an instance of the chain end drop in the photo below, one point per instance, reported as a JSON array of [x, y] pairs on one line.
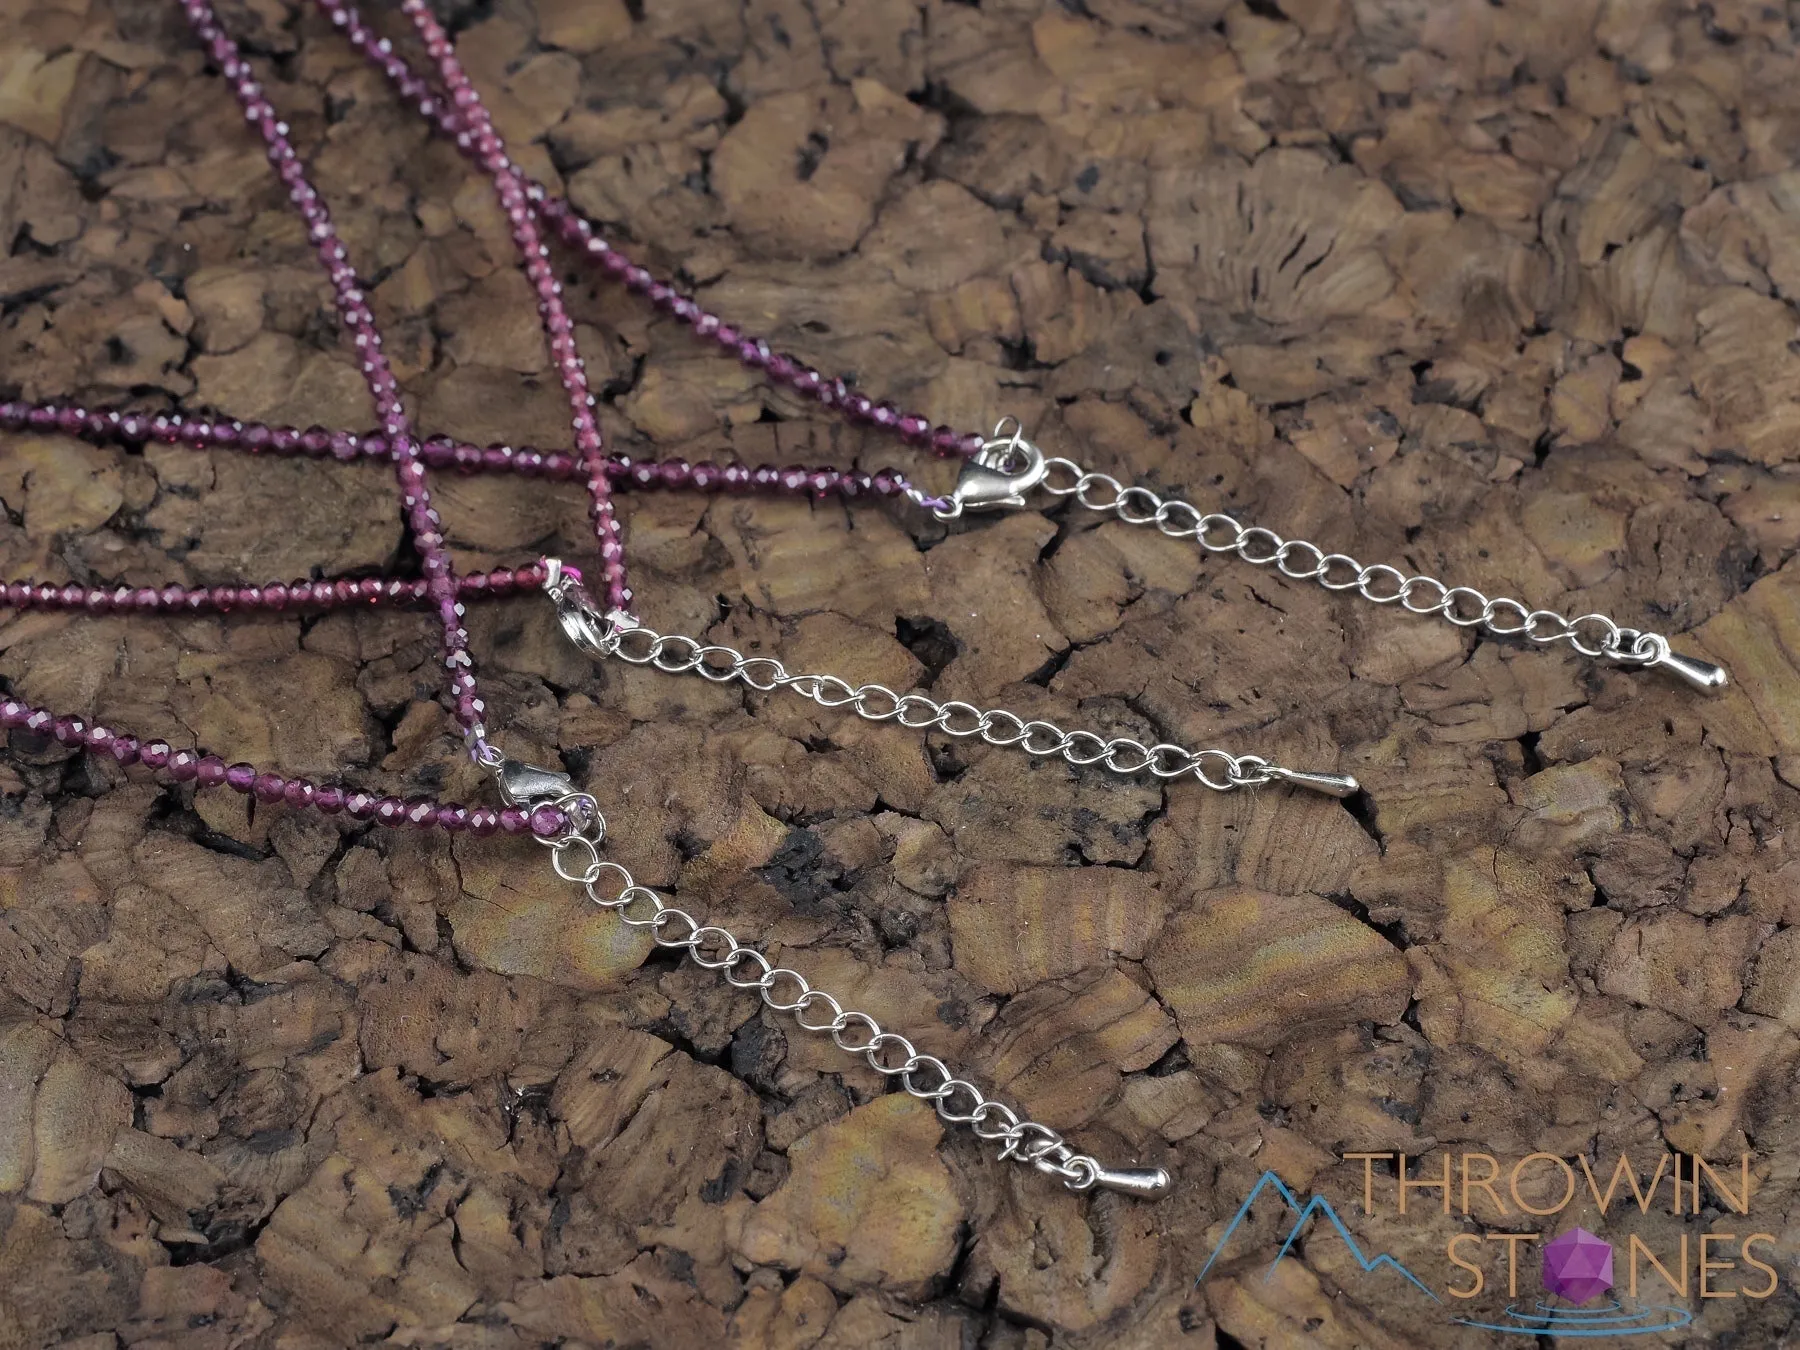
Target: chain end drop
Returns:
[[1339, 785], [1702, 675]]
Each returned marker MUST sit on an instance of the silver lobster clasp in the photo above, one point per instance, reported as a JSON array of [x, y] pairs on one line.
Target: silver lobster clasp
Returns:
[[1000, 474]]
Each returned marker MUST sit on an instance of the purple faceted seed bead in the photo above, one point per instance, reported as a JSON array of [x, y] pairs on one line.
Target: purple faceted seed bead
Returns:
[[211, 771], [513, 821], [184, 766], [269, 787], [548, 821], [154, 754], [240, 777]]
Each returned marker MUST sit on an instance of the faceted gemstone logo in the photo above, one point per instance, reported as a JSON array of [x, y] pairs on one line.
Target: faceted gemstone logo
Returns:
[[1578, 1266]]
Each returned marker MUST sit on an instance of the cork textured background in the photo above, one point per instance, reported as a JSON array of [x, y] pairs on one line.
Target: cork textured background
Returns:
[[1501, 292]]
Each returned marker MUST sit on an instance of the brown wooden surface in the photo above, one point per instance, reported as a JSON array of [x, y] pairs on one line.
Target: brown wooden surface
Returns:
[[1503, 291]]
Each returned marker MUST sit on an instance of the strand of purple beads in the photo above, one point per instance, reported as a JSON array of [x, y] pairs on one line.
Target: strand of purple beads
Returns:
[[204, 770], [359, 319], [480, 138], [440, 452], [580, 234]]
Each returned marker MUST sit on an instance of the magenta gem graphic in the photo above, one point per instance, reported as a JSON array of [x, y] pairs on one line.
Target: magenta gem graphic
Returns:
[[1578, 1265]]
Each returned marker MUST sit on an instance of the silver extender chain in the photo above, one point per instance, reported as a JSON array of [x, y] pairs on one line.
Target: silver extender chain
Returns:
[[575, 854], [1009, 467], [620, 636]]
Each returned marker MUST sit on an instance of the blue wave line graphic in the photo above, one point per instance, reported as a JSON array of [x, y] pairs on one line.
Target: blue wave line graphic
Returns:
[[1571, 1322], [1315, 1204]]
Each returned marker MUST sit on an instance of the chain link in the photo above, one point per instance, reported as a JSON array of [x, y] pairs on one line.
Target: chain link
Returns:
[[1593, 635], [675, 654], [957, 1101]]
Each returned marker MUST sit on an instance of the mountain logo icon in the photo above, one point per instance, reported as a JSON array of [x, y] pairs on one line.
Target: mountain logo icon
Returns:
[[1315, 1206]]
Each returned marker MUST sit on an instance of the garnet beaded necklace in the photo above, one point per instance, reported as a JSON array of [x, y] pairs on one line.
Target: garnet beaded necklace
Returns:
[[999, 472]]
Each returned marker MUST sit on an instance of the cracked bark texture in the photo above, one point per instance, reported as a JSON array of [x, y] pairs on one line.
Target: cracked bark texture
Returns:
[[1503, 292]]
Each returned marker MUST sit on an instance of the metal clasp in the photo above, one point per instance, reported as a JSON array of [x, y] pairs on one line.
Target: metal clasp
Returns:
[[595, 633], [523, 784], [1000, 474]]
